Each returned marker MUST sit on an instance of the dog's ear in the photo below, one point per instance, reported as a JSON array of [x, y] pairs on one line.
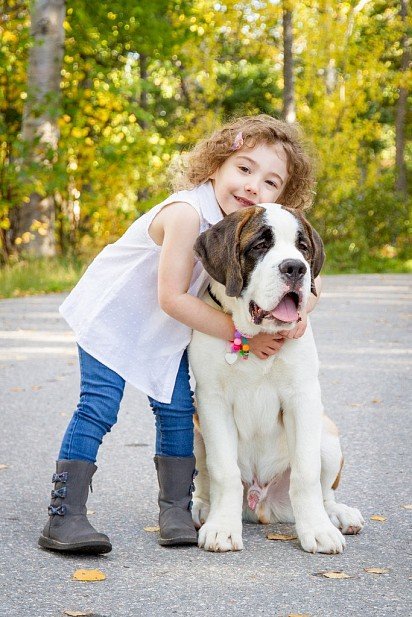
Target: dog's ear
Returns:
[[318, 257], [219, 249], [317, 253]]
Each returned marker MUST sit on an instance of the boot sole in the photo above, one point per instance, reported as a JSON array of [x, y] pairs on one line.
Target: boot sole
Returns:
[[177, 541], [88, 548]]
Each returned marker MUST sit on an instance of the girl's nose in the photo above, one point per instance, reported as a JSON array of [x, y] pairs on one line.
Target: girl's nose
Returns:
[[251, 188]]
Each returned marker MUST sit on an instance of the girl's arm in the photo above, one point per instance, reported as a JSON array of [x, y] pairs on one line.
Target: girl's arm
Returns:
[[179, 229]]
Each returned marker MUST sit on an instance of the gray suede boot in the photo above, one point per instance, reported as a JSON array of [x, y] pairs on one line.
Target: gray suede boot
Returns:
[[68, 528], [175, 476]]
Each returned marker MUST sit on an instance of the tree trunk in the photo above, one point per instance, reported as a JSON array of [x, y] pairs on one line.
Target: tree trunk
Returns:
[[289, 113], [143, 84], [401, 108], [34, 221]]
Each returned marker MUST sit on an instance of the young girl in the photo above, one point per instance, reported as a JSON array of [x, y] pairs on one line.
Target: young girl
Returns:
[[133, 312]]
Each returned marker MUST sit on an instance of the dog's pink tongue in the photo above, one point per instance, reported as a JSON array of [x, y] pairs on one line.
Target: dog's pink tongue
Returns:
[[286, 310]]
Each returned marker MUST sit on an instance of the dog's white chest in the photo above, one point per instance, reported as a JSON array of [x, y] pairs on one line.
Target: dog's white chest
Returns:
[[262, 447]]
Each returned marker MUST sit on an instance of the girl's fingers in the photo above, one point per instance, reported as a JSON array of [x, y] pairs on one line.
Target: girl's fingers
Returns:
[[275, 349]]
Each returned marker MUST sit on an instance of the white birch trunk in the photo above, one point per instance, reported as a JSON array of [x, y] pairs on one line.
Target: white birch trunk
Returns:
[[35, 220], [289, 112], [401, 185]]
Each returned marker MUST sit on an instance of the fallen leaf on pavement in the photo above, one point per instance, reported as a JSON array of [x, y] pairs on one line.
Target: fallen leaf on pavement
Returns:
[[334, 574], [376, 570], [154, 528], [36, 388], [16, 389], [90, 512], [280, 536], [89, 575], [378, 517], [2, 466], [407, 506], [376, 400], [79, 613], [298, 615]]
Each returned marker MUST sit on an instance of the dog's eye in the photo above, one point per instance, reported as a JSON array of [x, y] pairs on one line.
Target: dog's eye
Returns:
[[302, 246], [261, 246]]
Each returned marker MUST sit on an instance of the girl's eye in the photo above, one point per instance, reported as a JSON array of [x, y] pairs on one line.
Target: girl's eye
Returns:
[[272, 184], [245, 169]]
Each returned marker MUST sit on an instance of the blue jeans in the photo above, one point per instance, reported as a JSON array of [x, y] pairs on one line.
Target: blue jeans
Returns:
[[101, 391]]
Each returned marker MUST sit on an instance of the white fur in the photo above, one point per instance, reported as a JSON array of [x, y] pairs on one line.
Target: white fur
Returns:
[[245, 436]]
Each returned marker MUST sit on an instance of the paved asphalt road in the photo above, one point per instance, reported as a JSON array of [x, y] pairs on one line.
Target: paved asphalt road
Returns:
[[361, 330]]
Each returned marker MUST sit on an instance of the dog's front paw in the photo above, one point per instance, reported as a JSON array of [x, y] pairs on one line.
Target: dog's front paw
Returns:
[[349, 520], [220, 538], [321, 538], [200, 511]]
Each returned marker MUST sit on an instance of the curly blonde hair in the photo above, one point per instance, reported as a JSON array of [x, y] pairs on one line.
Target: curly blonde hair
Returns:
[[208, 155]]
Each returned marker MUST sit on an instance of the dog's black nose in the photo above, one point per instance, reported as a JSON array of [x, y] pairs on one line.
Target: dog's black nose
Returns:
[[292, 270]]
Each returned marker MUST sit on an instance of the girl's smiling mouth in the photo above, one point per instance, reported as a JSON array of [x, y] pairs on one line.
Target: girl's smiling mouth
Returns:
[[243, 201]]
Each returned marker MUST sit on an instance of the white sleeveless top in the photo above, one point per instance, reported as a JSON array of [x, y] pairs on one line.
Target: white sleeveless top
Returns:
[[114, 309]]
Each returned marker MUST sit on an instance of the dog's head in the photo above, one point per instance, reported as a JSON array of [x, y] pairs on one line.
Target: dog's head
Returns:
[[266, 257]]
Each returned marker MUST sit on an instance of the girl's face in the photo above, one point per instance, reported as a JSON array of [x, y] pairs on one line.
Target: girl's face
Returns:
[[250, 176]]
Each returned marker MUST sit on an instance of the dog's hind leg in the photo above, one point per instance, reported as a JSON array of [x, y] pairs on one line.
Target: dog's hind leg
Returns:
[[348, 520], [201, 498]]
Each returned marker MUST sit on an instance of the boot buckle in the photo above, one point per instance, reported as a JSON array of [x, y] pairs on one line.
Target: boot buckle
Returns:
[[60, 511], [60, 477], [61, 492]]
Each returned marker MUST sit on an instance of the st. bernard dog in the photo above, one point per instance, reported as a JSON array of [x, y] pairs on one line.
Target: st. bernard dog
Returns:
[[264, 447]]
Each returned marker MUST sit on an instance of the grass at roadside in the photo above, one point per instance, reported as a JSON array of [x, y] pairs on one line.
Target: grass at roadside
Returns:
[[367, 265], [48, 275], [38, 276]]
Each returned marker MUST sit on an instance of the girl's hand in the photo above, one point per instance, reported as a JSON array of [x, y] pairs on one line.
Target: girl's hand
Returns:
[[264, 345], [300, 328]]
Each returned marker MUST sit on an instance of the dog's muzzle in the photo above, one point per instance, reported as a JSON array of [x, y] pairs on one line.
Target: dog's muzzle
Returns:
[[286, 311]]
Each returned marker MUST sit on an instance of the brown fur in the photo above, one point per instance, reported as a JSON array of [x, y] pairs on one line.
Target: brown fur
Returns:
[[317, 253], [221, 247]]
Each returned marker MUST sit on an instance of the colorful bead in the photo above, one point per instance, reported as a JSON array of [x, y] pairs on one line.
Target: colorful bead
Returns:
[[240, 345]]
